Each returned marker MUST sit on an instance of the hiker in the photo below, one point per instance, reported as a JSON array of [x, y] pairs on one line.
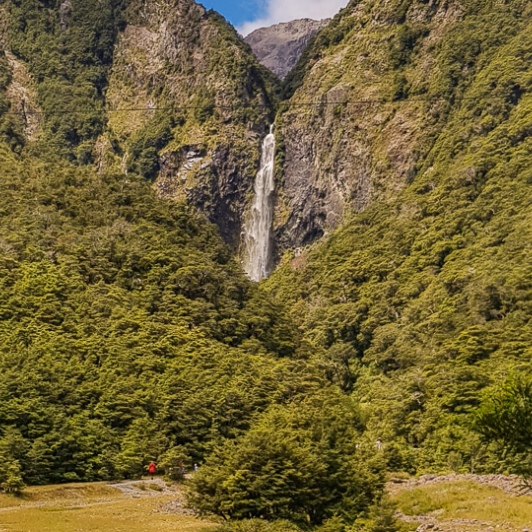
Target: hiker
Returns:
[[152, 468]]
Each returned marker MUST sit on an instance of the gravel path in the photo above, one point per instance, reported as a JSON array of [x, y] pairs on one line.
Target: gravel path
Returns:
[[131, 488], [144, 488], [156, 488]]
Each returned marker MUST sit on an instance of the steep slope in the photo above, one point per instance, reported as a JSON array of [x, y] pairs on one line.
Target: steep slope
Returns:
[[120, 312], [215, 103], [128, 331], [371, 97], [163, 89], [421, 304], [279, 47]]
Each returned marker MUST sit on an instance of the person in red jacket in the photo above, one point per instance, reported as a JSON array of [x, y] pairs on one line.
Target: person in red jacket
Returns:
[[152, 468]]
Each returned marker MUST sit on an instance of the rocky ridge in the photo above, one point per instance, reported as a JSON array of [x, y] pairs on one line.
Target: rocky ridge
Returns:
[[368, 102], [279, 47], [511, 485], [184, 59]]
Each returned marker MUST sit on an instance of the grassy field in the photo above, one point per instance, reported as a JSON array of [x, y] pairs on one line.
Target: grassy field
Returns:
[[94, 507], [459, 506], [466, 506]]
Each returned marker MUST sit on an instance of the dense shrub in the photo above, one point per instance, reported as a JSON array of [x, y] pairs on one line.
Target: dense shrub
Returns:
[[304, 462]]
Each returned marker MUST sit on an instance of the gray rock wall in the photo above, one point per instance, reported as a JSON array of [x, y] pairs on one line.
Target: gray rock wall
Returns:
[[279, 47]]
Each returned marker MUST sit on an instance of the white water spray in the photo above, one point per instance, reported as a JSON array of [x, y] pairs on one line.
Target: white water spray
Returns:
[[258, 227]]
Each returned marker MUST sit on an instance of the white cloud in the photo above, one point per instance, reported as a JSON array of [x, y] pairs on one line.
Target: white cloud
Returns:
[[287, 10]]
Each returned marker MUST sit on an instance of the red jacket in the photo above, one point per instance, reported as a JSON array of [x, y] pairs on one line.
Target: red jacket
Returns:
[[152, 468]]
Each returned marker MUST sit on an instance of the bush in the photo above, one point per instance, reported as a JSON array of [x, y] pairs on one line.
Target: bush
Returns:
[[173, 461], [504, 419], [258, 525], [300, 463], [11, 477], [382, 517]]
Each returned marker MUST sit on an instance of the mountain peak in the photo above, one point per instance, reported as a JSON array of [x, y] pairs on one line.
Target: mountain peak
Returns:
[[280, 46]]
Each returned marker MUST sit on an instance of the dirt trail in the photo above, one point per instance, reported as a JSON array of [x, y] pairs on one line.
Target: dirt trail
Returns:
[[154, 488], [132, 489], [144, 488]]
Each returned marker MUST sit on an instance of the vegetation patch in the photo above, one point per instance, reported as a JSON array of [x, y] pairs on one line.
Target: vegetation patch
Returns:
[[467, 501]]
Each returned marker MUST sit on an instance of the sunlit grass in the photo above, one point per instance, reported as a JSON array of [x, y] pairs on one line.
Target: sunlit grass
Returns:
[[466, 500], [90, 507]]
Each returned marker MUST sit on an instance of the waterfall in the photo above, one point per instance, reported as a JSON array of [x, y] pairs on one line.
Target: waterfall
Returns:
[[258, 227]]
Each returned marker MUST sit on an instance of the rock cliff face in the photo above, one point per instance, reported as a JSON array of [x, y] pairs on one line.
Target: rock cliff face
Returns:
[[367, 103], [279, 47], [173, 93], [165, 89], [217, 103]]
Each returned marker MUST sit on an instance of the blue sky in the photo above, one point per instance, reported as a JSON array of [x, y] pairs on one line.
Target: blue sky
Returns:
[[248, 15], [237, 11]]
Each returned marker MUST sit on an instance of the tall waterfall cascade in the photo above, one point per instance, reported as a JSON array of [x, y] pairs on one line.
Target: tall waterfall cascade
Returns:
[[258, 226]]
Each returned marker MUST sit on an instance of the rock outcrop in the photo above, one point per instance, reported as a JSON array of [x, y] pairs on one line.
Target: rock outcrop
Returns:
[[279, 47], [218, 99], [365, 107]]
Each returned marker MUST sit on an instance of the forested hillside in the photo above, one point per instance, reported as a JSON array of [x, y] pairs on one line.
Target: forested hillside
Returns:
[[380, 85], [163, 89], [129, 334], [397, 338], [113, 305], [420, 306], [128, 331]]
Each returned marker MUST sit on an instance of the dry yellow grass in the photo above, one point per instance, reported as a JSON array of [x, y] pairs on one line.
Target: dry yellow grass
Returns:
[[455, 503], [91, 507]]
